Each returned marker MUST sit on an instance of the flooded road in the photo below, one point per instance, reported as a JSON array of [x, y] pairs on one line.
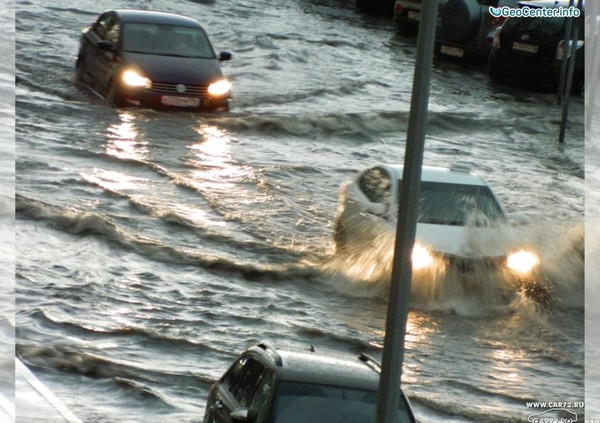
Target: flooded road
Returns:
[[7, 214], [153, 247]]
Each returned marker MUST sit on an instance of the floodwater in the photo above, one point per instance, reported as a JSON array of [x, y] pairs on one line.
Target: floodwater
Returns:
[[153, 247], [592, 244], [7, 211]]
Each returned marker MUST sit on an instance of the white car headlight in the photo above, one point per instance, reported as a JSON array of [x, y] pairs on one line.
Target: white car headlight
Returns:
[[134, 79], [421, 257], [219, 88], [522, 262]]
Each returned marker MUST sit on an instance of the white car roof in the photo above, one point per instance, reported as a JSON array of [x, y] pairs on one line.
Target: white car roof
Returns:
[[455, 175]]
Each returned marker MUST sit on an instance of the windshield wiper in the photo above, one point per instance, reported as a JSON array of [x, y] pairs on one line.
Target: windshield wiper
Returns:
[[138, 52]]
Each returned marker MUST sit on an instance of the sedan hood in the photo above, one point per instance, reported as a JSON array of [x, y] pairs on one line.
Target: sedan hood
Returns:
[[176, 70], [465, 241]]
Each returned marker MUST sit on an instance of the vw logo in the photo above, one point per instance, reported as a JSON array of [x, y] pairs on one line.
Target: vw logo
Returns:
[[525, 37], [180, 88]]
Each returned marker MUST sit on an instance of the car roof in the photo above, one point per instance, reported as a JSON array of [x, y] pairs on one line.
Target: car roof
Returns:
[[156, 17], [457, 174], [327, 370], [362, 372]]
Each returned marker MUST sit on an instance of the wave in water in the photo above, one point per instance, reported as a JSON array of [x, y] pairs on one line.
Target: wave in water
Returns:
[[87, 223]]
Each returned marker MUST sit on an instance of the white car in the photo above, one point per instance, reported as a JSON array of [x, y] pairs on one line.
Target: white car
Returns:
[[462, 226]]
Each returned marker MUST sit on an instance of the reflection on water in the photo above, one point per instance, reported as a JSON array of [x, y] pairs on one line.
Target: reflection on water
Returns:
[[212, 158], [504, 369], [114, 181], [124, 139]]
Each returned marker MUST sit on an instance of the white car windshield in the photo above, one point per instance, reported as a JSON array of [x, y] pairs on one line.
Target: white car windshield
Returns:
[[309, 403], [166, 40], [458, 205]]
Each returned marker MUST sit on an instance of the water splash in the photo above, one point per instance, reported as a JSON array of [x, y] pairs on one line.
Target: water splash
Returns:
[[364, 269]]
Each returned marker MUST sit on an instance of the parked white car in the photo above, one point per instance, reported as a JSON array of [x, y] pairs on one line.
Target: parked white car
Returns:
[[462, 226]]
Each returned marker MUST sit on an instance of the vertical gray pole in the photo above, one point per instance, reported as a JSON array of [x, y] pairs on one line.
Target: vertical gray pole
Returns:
[[395, 331], [592, 65], [563, 64], [570, 72]]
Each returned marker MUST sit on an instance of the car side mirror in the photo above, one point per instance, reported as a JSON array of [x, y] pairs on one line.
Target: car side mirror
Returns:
[[243, 415], [224, 56], [105, 45]]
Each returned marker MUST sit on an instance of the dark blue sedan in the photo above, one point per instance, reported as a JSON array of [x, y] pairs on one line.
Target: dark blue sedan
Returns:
[[152, 59]]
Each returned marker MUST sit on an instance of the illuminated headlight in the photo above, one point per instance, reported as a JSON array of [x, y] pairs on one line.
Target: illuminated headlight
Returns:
[[522, 262], [421, 257], [134, 79], [219, 88]]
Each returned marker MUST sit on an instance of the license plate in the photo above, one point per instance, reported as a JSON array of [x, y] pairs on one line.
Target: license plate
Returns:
[[415, 16], [528, 48], [171, 100], [452, 51]]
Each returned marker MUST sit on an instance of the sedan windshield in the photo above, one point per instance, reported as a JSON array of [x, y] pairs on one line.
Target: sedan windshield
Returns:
[[309, 403], [166, 40], [458, 204]]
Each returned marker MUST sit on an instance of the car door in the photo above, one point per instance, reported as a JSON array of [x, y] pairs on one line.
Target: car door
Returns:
[[237, 389], [262, 400], [101, 63], [220, 393]]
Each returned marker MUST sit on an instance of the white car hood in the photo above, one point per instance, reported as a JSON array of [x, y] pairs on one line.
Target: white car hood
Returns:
[[465, 241]]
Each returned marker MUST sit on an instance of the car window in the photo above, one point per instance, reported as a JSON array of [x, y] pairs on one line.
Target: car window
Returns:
[[232, 375], [166, 40], [247, 381], [376, 185], [113, 32], [309, 403], [263, 396], [458, 204], [107, 28], [99, 26]]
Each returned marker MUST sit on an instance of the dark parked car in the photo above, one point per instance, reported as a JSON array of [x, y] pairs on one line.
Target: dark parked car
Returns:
[[466, 28], [407, 14], [384, 7], [266, 385], [530, 49], [153, 59]]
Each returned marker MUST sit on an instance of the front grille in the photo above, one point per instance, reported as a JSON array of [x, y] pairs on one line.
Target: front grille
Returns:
[[475, 265], [190, 90]]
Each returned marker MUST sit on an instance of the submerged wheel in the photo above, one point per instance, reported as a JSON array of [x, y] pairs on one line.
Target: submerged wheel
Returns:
[[113, 96], [79, 70]]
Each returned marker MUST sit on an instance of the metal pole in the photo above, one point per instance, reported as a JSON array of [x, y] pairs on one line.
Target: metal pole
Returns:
[[563, 64], [570, 73], [592, 64], [393, 351]]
